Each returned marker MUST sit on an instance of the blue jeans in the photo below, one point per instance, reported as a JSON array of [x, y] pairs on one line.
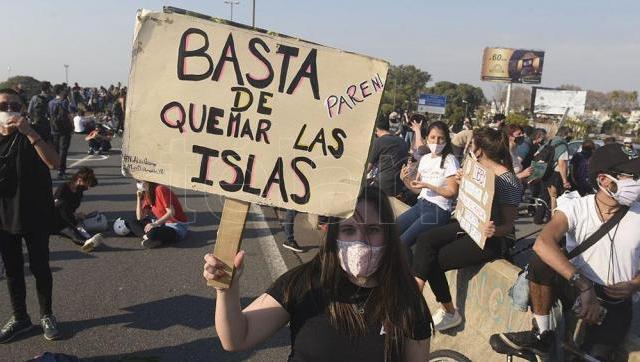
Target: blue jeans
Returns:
[[421, 217], [287, 224]]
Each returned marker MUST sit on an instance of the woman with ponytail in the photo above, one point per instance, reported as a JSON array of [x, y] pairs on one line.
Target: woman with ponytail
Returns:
[[440, 249]]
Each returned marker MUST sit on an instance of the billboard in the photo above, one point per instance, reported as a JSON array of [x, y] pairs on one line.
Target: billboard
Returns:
[[251, 115], [556, 101], [432, 103], [512, 65]]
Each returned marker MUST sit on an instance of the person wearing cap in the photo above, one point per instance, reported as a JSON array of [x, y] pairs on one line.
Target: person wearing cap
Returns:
[[604, 276], [395, 124]]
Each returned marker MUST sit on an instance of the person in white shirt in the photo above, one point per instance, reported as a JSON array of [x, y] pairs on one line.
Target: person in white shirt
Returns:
[[604, 276], [435, 185], [81, 124]]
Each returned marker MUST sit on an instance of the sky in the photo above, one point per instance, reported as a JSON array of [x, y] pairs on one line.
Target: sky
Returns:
[[590, 43]]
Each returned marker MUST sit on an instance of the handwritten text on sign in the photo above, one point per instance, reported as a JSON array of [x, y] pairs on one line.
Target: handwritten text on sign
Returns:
[[475, 196], [250, 115]]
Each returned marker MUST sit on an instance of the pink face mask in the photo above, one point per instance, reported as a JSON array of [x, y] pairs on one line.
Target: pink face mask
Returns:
[[359, 259]]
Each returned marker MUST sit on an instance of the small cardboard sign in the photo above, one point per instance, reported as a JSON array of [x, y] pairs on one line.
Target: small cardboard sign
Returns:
[[475, 197]]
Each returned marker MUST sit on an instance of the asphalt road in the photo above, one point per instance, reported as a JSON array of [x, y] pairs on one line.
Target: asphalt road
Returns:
[[125, 302]]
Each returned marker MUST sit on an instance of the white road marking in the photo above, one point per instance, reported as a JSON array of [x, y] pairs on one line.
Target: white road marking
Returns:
[[269, 247]]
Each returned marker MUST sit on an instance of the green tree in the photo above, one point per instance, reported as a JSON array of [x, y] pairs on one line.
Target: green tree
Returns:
[[456, 94], [30, 85], [518, 119], [403, 86]]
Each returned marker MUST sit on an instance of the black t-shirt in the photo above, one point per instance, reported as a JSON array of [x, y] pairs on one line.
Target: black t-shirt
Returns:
[[30, 208], [389, 152], [68, 201], [314, 339]]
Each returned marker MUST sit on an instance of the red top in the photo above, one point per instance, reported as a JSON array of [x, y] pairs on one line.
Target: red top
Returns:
[[165, 198]]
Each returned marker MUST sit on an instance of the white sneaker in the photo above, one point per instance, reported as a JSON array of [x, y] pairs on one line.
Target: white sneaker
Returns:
[[438, 315], [449, 321], [91, 243]]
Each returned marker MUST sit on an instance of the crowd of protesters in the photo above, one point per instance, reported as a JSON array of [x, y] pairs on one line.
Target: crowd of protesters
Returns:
[[365, 283]]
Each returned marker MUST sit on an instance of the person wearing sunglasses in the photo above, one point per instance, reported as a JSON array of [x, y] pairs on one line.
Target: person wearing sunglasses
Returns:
[[26, 212], [602, 282]]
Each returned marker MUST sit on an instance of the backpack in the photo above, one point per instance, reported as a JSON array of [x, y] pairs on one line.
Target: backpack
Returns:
[[60, 118], [546, 154], [39, 112]]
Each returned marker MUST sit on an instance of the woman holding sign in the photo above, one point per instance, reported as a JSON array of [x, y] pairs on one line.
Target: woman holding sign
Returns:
[[355, 301], [441, 249], [435, 184]]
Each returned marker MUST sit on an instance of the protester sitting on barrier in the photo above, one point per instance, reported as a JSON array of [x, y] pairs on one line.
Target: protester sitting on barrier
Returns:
[[579, 168], [388, 153], [441, 249], [67, 199], [354, 301], [436, 185], [26, 212], [160, 214], [602, 279], [99, 140]]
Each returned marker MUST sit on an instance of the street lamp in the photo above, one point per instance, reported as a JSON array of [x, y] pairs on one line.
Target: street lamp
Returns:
[[231, 3], [466, 108], [253, 17], [66, 73]]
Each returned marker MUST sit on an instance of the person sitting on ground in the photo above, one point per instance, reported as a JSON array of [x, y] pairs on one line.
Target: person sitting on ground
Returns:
[[580, 168], [354, 301], [81, 124], [99, 140], [435, 185], [67, 199], [388, 153], [160, 213], [604, 275], [441, 249]]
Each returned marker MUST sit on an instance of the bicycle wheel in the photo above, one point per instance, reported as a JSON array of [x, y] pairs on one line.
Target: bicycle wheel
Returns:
[[447, 355]]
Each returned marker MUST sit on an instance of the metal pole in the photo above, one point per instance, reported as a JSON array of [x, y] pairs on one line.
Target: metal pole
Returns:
[[395, 90], [253, 17], [508, 101], [231, 3], [66, 73]]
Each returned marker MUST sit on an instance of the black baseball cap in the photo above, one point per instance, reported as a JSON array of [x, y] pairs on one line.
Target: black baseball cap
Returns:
[[614, 158]]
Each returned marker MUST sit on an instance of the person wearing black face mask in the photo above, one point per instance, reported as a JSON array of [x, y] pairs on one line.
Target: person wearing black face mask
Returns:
[[580, 168], [68, 197]]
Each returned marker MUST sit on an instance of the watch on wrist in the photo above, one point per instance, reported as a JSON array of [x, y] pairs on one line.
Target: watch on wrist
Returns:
[[581, 283]]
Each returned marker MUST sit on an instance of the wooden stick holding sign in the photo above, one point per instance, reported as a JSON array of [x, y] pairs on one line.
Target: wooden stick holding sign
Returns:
[[234, 216]]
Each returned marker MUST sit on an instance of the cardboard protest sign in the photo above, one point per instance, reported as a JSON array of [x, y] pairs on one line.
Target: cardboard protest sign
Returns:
[[248, 114], [475, 196]]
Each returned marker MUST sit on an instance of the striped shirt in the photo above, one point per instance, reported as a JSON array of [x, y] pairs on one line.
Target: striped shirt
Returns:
[[508, 191]]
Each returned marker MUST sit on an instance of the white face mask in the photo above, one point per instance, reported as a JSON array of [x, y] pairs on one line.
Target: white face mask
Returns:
[[140, 186], [628, 191], [359, 259], [436, 148], [6, 116]]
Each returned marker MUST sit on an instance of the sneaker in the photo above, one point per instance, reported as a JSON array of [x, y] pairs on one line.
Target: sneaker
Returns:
[[292, 245], [540, 344], [438, 315], [449, 321], [71, 234], [91, 243], [13, 328], [50, 327], [150, 243]]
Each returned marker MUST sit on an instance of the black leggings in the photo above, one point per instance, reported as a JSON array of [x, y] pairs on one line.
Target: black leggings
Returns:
[[440, 249], [163, 234], [38, 248]]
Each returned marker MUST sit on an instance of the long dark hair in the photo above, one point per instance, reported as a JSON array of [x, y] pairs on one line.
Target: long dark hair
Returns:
[[495, 145], [86, 174], [448, 149], [396, 301], [150, 195]]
